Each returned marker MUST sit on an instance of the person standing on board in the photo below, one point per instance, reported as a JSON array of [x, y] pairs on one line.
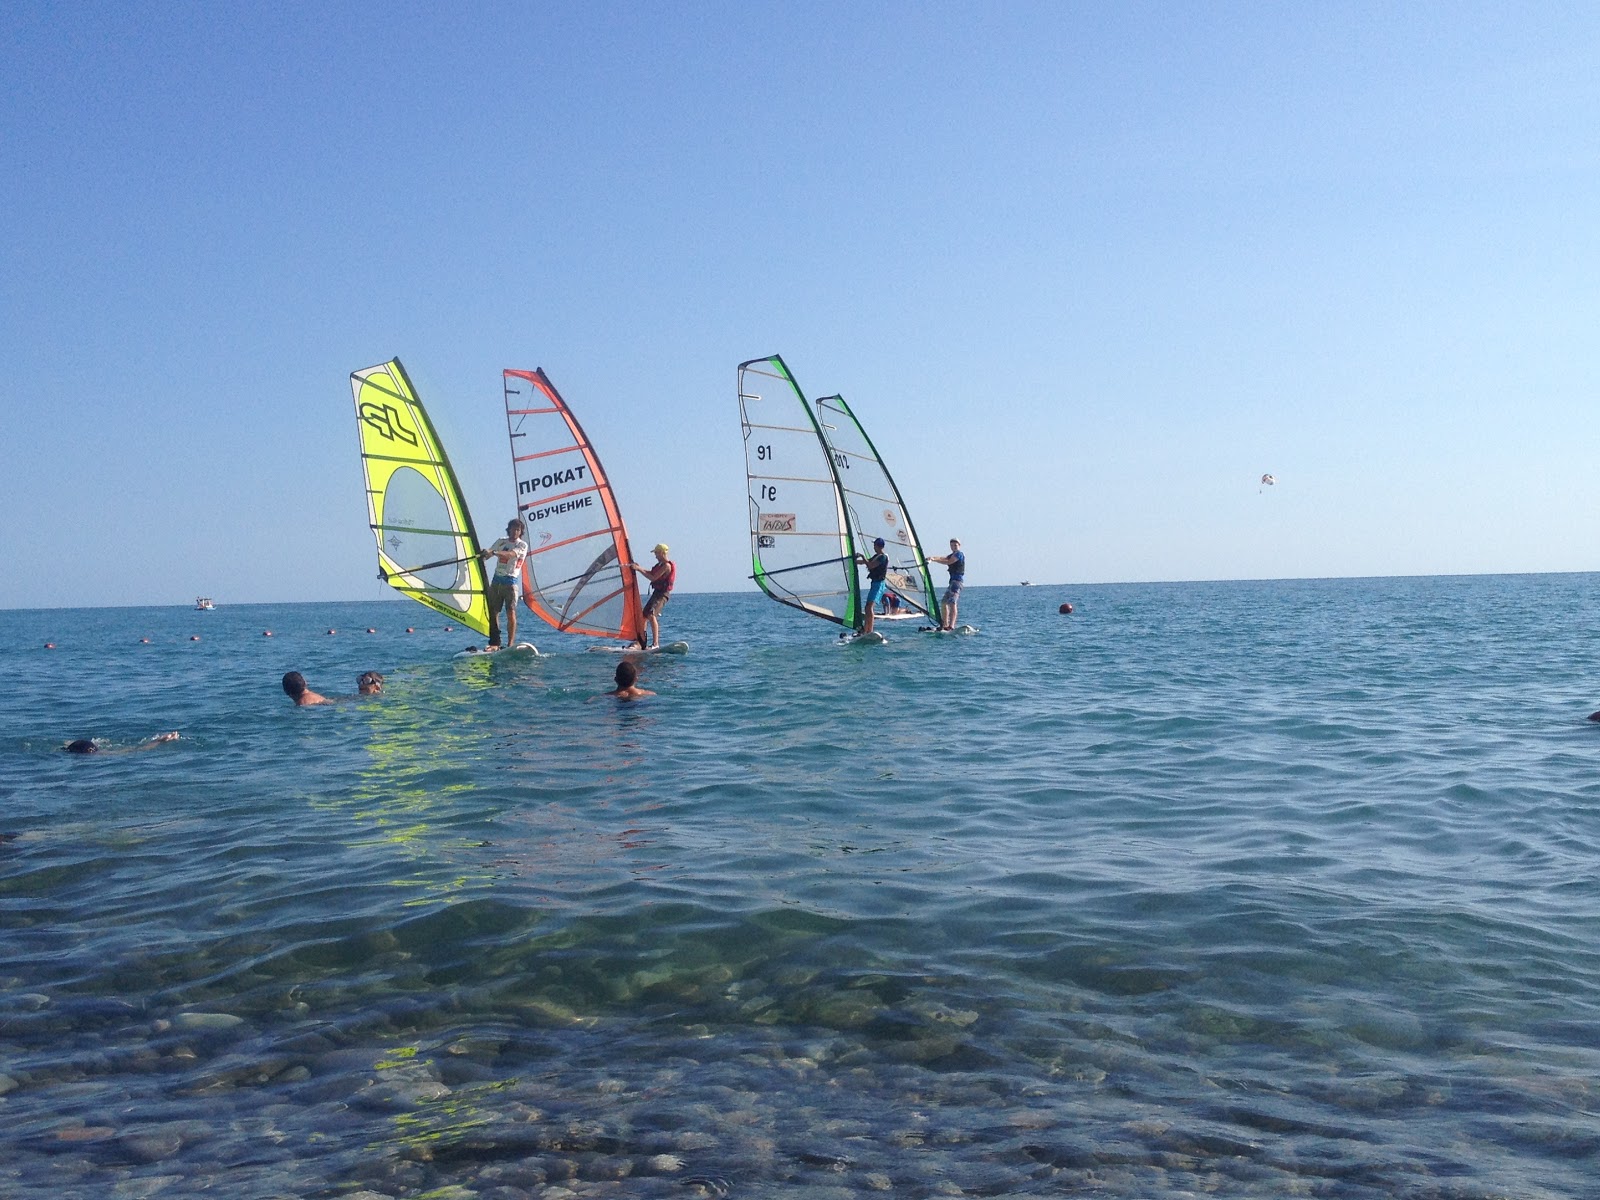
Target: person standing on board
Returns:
[[663, 576], [877, 577], [508, 552], [957, 562]]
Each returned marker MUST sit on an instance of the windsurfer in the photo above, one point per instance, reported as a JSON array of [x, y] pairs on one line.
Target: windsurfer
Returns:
[[877, 577], [294, 686], [628, 688], [508, 553], [957, 562], [663, 576]]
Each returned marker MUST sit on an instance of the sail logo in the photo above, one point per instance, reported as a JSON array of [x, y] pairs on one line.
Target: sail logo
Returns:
[[775, 523], [537, 482], [385, 418], [530, 515]]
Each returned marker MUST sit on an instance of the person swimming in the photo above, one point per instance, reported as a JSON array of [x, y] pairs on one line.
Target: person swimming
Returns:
[[627, 678], [369, 683], [294, 686], [91, 746]]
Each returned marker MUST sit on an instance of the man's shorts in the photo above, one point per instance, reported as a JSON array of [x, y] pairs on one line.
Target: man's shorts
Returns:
[[953, 591], [875, 592], [657, 601], [502, 593]]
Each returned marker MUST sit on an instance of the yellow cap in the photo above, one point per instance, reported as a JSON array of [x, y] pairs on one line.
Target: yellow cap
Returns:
[[661, 546]]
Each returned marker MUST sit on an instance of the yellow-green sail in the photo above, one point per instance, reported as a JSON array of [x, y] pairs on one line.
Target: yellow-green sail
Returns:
[[427, 547]]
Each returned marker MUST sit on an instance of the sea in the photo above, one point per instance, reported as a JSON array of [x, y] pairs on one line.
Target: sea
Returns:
[[1247, 889]]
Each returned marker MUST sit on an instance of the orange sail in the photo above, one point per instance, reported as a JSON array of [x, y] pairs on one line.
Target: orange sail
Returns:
[[576, 576]]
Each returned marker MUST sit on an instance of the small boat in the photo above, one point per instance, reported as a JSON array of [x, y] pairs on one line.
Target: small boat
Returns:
[[203, 603], [1027, 583]]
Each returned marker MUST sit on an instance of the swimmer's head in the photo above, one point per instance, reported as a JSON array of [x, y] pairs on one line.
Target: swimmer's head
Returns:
[[627, 674], [294, 684], [82, 746], [369, 683]]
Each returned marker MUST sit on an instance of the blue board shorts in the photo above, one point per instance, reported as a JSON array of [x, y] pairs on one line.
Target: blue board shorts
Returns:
[[954, 590], [875, 592]]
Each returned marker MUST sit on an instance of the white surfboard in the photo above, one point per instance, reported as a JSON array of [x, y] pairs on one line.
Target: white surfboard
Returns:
[[664, 648], [863, 639], [520, 650]]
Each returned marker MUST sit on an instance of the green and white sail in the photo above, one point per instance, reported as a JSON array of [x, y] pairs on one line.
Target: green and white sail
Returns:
[[427, 548], [802, 549], [873, 505]]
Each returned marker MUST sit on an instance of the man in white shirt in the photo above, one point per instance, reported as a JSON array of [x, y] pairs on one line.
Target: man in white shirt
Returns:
[[508, 553]]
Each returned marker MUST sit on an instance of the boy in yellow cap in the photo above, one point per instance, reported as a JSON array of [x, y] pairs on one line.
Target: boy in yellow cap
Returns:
[[662, 576]]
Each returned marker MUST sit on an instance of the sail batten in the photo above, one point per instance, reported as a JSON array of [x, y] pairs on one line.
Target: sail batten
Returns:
[[564, 581], [427, 548]]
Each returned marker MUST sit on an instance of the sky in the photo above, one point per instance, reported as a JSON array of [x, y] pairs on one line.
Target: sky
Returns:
[[1085, 271]]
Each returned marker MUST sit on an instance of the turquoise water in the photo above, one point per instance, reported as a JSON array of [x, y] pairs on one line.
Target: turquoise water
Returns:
[[1248, 889]]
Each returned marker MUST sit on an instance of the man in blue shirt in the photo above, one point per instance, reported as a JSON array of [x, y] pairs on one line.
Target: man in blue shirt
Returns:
[[877, 574], [957, 562]]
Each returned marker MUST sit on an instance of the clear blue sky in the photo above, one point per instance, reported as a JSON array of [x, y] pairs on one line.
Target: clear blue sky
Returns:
[[1085, 271]]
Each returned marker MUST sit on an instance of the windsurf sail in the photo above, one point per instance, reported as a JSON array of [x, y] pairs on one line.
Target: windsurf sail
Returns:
[[427, 548], [577, 575], [802, 549], [873, 504]]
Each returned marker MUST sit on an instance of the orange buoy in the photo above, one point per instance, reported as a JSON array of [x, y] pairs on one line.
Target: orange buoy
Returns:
[[1064, 609]]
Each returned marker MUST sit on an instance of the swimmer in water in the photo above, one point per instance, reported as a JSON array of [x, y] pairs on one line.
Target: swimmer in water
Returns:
[[294, 686], [369, 683], [90, 746], [628, 682]]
